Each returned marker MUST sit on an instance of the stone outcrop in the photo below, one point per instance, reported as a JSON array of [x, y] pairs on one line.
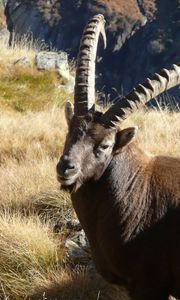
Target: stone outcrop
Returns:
[[143, 35]]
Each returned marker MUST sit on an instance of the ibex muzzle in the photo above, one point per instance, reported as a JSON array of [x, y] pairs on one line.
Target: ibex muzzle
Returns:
[[67, 170], [127, 202]]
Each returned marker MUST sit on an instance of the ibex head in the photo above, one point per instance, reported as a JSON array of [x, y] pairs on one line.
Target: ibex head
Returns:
[[93, 137]]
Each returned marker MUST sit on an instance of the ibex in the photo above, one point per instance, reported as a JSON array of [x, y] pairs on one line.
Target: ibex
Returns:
[[127, 202]]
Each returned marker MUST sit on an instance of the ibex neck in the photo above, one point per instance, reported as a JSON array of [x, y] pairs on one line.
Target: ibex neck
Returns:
[[128, 183], [118, 195]]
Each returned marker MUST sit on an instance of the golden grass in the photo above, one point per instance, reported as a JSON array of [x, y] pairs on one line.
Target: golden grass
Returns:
[[28, 254], [33, 135], [159, 131], [32, 263], [10, 54]]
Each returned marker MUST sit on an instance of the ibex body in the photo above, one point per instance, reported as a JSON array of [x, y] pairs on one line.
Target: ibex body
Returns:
[[127, 202]]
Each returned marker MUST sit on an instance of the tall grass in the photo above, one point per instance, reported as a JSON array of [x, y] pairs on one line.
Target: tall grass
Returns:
[[28, 254], [10, 54], [32, 260], [159, 131], [33, 263], [31, 135]]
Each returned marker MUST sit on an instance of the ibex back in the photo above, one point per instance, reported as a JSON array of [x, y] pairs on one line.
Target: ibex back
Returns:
[[127, 202]]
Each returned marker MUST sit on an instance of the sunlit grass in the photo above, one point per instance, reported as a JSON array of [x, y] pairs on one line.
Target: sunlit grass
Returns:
[[28, 254], [31, 143], [33, 263], [26, 88], [159, 131], [31, 136]]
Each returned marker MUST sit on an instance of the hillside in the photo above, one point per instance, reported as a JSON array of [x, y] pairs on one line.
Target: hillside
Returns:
[[34, 261], [143, 36]]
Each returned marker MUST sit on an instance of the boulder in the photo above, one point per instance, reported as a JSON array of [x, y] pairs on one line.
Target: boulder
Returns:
[[143, 36], [75, 253], [81, 240], [48, 60]]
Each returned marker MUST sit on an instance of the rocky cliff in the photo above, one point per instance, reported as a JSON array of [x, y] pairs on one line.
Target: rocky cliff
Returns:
[[143, 35]]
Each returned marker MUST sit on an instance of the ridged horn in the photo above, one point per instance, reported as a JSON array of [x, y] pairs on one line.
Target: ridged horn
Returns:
[[144, 92], [84, 94]]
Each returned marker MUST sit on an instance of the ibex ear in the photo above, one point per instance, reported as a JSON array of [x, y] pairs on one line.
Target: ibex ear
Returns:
[[69, 111], [123, 137]]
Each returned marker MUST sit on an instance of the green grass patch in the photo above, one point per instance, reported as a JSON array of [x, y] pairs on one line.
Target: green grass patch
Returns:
[[29, 89]]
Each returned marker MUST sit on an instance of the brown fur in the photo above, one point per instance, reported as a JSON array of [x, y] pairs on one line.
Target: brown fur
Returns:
[[129, 206]]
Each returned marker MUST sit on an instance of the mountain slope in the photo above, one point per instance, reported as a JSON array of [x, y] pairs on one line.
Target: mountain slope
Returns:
[[143, 35]]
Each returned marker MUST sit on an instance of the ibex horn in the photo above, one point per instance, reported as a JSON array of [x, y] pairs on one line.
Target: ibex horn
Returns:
[[84, 98], [144, 92]]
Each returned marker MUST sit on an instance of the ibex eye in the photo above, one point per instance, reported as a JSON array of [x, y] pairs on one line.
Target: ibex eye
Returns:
[[104, 147]]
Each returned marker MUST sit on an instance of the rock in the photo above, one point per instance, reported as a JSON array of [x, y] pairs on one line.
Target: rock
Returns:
[[77, 245], [75, 253], [81, 240], [23, 61], [48, 60], [73, 224], [138, 35]]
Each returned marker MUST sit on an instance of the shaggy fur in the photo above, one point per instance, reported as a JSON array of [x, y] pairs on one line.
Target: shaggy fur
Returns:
[[127, 202], [129, 206]]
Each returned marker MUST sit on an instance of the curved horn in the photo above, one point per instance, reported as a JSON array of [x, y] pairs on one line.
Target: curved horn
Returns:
[[151, 88], [84, 98]]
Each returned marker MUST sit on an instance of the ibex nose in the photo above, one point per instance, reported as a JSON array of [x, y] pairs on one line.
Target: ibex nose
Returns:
[[65, 167]]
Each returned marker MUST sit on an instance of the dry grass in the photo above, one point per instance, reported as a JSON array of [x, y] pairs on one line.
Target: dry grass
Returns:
[[31, 259], [32, 132], [159, 131], [31, 136], [10, 54], [28, 254]]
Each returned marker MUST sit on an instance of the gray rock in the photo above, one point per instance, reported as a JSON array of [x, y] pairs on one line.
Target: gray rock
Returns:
[[23, 61], [73, 224], [81, 240], [48, 60], [77, 245], [59, 24], [76, 253]]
